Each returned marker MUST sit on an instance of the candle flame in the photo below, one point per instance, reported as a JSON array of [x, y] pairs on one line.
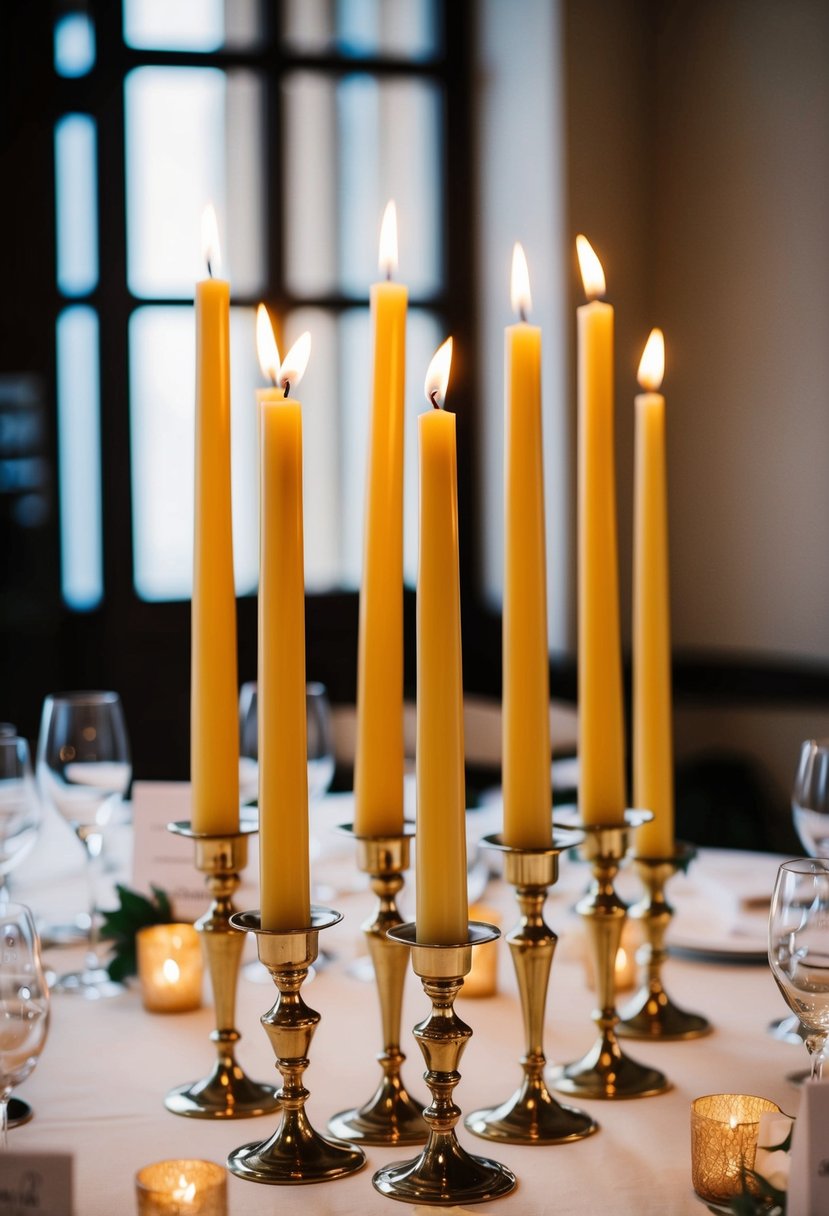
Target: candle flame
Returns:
[[171, 970], [437, 377], [388, 240], [520, 296], [733, 1121], [185, 1192], [295, 363], [266, 346], [652, 363], [591, 269], [211, 250]]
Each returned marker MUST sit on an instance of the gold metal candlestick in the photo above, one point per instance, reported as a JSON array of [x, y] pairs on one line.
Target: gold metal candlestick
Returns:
[[226, 1093], [390, 1116], [532, 1115], [443, 1173], [652, 1014], [605, 1072], [295, 1153]]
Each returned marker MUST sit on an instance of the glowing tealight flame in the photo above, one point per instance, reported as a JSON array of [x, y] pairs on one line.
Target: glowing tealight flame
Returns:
[[266, 346], [591, 269], [211, 250], [437, 377], [295, 363], [185, 1192], [733, 1121], [388, 240], [520, 283], [171, 971], [652, 363]]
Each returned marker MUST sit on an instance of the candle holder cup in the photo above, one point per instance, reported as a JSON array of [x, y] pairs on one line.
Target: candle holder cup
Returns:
[[532, 1115], [391, 1115], [295, 1154], [227, 1092], [443, 1173], [652, 1014], [605, 1072]]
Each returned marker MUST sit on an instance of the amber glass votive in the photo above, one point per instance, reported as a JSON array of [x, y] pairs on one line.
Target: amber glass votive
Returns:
[[169, 968], [483, 978], [181, 1188], [724, 1130]]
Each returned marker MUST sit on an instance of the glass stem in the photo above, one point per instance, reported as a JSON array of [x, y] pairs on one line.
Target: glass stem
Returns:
[[816, 1044], [4, 1120], [93, 844]]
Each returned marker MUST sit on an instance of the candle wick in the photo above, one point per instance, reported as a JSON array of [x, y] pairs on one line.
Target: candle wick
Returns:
[[209, 269], [388, 274], [287, 388], [433, 397], [522, 314]]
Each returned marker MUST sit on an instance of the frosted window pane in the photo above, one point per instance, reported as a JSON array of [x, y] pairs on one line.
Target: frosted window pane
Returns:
[[76, 204], [79, 457], [162, 397], [405, 28], [193, 135], [379, 140], [192, 25], [74, 45]]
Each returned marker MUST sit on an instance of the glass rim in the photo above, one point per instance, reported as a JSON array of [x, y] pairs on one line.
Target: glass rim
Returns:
[[805, 865], [90, 697], [12, 907]]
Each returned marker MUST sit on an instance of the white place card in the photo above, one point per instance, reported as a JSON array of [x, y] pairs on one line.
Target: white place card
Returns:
[[808, 1193], [35, 1183], [162, 859]]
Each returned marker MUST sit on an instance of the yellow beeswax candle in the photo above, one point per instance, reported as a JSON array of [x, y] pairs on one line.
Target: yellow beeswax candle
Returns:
[[441, 915], [601, 720], [214, 727], [283, 770], [526, 692], [653, 767], [378, 763]]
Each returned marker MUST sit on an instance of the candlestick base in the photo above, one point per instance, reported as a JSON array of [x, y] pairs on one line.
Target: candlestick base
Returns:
[[605, 1072], [295, 1154], [652, 1014], [532, 1115], [443, 1173], [227, 1092], [391, 1115]]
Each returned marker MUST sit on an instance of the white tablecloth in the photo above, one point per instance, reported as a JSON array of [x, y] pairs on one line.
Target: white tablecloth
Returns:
[[98, 1088]]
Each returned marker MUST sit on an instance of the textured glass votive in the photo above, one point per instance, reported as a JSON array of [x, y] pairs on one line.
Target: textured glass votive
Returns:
[[724, 1131], [181, 1188], [169, 968], [483, 978]]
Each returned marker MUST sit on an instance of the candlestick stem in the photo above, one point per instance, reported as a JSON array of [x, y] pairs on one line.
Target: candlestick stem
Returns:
[[391, 1115], [652, 1014], [444, 1173], [605, 1072], [226, 1092], [532, 1115]]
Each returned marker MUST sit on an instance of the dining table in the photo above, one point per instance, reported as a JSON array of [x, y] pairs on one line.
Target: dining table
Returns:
[[98, 1089]]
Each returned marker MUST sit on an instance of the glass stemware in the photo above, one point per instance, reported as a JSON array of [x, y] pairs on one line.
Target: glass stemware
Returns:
[[24, 1003], [84, 770], [20, 811], [799, 948], [810, 797]]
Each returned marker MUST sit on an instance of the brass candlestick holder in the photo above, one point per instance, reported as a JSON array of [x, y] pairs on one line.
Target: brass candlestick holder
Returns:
[[226, 1093], [390, 1116], [532, 1115], [443, 1173], [295, 1153], [604, 1072], [652, 1014]]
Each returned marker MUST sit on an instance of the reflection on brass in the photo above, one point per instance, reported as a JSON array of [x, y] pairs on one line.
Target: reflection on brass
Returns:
[[443, 1173], [532, 1115], [226, 1093], [390, 1116], [652, 1014], [295, 1154], [604, 1072]]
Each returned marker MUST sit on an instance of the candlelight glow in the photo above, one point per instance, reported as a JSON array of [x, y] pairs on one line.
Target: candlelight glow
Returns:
[[733, 1121], [388, 240], [185, 1192], [591, 269], [652, 363], [437, 377], [171, 970], [266, 347], [211, 250], [295, 362], [520, 284]]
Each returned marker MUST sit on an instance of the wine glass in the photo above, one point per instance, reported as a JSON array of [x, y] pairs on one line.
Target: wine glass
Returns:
[[84, 769], [248, 745], [20, 811], [24, 1003], [799, 947], [810, 797]]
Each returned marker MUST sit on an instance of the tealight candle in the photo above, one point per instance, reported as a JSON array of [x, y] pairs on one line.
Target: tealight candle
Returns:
[[181, 1188], [169, 968], [483, 978], [724, 1130]]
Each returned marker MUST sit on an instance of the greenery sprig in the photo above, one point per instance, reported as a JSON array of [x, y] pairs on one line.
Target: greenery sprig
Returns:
[[121, 925]]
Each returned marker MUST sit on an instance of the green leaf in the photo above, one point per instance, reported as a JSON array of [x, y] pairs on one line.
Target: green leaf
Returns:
[[121, 924]]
